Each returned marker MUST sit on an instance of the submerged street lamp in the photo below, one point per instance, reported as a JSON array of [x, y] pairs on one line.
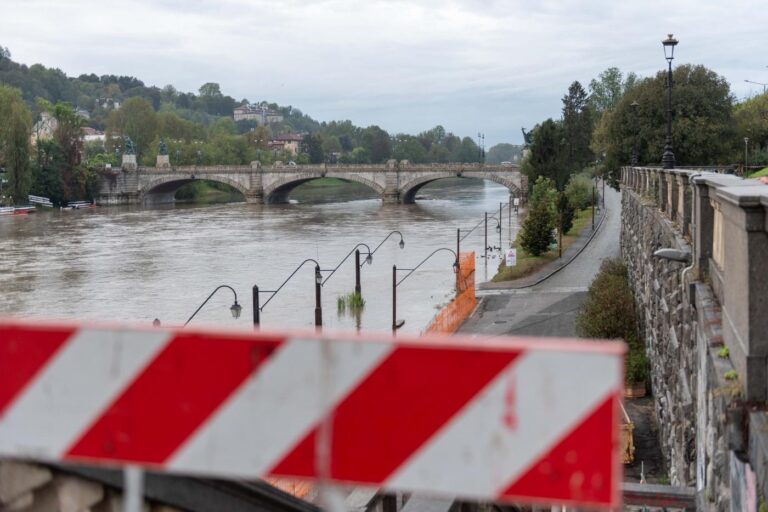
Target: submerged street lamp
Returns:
[[668, 159], [257, 309], [235, 308], [395, 283], [368, 260]]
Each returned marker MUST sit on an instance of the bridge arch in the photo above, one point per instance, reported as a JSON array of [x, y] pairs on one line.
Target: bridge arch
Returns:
[[168, 185], [278, 191], [409, 189]]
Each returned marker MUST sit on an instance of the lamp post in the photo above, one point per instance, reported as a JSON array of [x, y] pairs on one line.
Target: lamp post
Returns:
[[746, 149], [498, 230], [235, 308], [757, 83], [633, 158], [668, 159], [257, 308], [368, 260], [395, 283]]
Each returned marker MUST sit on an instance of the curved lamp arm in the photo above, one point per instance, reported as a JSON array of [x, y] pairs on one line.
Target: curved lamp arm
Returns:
[[402, 242], [236, 308], [412, 270], [274, 292], [480, 223], [368, 258]]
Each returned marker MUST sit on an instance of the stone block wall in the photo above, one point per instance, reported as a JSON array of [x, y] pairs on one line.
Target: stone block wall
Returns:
[[704, 325]]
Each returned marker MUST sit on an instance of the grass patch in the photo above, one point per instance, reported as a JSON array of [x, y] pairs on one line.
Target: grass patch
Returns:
[[760, 173], [528, 264], [352, 301]]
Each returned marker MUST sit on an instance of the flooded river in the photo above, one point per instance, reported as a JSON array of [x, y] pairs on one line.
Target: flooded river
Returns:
[[137, 264]]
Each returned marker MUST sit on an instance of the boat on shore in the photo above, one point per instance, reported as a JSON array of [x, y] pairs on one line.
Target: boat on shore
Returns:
[[16, 210]]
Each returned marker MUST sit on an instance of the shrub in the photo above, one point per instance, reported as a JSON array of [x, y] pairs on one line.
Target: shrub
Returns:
[[579, 191], [608, 312]]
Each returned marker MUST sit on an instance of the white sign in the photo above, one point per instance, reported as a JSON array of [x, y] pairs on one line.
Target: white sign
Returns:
[[516, 202], [511, 257]]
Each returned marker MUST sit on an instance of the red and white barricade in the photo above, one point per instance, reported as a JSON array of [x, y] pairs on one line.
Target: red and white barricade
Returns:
[[511, 419]]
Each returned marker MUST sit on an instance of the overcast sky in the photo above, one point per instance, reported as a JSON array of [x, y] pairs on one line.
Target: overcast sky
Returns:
[[473, 66]]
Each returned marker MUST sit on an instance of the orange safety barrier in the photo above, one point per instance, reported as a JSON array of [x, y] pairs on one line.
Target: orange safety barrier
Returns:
[[450, 318]]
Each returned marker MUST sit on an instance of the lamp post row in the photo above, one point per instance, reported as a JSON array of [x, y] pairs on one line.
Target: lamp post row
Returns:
[[319, 281]]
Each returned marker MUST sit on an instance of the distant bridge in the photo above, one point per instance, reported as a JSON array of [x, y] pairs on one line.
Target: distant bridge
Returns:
[[394, 182]]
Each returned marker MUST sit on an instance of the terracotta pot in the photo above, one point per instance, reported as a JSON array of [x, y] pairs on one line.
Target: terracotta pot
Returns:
[[634, 390]]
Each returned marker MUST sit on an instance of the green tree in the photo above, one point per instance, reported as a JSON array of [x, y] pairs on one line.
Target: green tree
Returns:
[[15, 127], [547, 154], [566, 212], [751, 118], [135, 119], [536, 231], [376, 142], [313, 147], [577, 130], [607, 89], [703, 131], [579, 191], [48, 171]]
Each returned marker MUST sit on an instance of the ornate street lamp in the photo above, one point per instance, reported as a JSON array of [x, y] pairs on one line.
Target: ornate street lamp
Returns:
[[395, 283], [235, 308], [633, 158], [668, 159]]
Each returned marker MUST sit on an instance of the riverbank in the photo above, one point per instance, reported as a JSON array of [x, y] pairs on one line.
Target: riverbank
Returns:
[[527, 264]]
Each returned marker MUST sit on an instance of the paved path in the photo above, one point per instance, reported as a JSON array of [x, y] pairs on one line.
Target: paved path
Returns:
[[549, 308]]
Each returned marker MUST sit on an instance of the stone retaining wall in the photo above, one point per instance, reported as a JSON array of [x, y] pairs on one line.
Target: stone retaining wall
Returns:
[[704, 325]]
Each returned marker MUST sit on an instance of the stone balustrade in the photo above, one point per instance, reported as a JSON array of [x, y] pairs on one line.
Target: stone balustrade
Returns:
[[705, 325]]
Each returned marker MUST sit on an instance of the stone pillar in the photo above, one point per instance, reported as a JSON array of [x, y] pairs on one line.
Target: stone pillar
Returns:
[[392, 183], [661, 192], [163, 161], [684, 203], [255, 194], [129, 162], [643, 181], [744, 286], [672, 195]]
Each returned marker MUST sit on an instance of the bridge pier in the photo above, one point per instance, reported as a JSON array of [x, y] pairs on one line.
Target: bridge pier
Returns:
[[255, 197]]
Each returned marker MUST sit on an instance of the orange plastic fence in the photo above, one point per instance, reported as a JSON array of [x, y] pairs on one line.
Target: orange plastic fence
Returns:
[[449, 318]]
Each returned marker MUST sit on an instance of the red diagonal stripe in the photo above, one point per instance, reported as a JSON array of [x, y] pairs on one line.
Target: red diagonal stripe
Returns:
[[579, 467], [404, 401], [169, 400], [23, 352]]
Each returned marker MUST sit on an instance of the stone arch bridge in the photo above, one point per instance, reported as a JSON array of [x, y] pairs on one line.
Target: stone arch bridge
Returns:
[[394, 182]]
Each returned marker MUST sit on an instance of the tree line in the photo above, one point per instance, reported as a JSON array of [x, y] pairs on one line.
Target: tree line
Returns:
[[196, 129], [623, 118]]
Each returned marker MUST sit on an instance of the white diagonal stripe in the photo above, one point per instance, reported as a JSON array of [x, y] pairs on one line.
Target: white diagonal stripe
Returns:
[[553, 393], [277, 406], [73, 389]]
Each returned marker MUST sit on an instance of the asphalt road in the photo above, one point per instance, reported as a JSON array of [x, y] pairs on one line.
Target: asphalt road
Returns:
[[549, 308]]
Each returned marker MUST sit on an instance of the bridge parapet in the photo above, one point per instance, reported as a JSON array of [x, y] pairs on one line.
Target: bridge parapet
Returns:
[[705, 326]]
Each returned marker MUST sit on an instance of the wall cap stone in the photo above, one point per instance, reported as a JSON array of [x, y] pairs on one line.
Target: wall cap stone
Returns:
[[744, 195]]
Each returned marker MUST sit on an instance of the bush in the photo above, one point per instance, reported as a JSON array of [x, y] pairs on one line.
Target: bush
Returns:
[[609, 313], [579, 191]]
